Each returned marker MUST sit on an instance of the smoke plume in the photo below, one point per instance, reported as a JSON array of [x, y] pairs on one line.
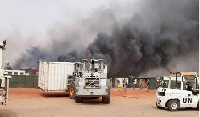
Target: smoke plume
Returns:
[[153, 35]]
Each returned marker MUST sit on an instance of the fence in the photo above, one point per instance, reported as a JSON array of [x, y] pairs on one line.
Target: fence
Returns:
[[22, 81], [152, 83]]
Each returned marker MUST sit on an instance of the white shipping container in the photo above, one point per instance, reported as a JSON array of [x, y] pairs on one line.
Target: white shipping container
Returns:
[[53, 76]]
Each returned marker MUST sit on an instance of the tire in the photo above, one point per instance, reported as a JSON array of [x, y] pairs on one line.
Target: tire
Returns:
[[80, 99], [106, 100], [77, 99], [71, 93], [173, 105], [159, 106], [198, 106], [103, 100]]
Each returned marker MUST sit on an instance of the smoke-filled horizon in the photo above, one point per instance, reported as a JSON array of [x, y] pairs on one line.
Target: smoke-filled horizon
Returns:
[[148, 39]]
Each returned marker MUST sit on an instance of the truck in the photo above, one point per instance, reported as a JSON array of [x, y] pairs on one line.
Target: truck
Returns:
[[90, 81], [4, 78], [86, 79], [185, 94]]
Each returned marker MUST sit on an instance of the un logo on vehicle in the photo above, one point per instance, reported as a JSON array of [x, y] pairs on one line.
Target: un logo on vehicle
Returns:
[[187, 100]]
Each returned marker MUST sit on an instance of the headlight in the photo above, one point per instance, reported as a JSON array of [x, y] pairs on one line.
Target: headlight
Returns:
[[158, 102]]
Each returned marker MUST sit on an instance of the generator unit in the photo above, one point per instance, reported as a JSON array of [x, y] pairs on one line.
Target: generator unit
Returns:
[[185, 93]]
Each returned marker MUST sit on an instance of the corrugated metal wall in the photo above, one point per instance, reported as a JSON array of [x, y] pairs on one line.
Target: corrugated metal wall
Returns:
[[22, 81]]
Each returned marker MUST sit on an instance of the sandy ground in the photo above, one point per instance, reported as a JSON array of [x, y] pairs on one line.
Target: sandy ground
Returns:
[[133, 103]]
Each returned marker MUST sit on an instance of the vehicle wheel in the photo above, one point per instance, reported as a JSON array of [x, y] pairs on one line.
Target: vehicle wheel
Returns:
[[71, 93], [106, 100], [80, 99], [159, 106], [77, 99], [198, 106], [103, 100], [173, 105]]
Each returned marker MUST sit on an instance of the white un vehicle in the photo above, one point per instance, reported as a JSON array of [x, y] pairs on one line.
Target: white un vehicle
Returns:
[[185, 93]]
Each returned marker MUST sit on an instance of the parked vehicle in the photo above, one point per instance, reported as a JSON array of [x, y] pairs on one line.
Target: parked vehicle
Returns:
[[186, 93]]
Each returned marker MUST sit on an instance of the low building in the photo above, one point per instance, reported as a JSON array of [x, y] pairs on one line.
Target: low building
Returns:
[[30, 70], [11, 71], [15, 72]]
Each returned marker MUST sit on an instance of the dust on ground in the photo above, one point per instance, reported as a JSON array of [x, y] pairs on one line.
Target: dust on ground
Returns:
[[27, 102]]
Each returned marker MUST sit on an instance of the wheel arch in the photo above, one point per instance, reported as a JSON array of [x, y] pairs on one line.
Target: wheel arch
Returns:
[[173, 99]]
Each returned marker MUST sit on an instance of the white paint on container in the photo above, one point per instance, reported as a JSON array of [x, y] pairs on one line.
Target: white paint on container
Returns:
[[53, 76]]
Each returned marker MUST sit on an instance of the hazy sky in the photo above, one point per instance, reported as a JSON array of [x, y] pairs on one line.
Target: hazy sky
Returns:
[[28, 23], [41, 14]]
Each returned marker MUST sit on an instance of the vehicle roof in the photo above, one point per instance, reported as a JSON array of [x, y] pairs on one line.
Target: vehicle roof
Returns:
[[185, 74]]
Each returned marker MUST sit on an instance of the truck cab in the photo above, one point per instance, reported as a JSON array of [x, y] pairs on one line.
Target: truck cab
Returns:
[[90, 81], [184, 94]]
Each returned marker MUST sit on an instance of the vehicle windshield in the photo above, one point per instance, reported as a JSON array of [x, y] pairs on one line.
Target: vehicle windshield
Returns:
[[173, 85], [88, 66], [190, 85]]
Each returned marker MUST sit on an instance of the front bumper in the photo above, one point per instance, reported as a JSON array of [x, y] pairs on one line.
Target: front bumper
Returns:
[[160, 102], [92, 92]]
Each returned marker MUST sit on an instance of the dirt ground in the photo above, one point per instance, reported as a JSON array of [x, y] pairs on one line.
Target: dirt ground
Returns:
[[132, 103]]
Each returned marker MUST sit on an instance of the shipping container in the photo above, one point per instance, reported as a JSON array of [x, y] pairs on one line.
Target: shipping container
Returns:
[[53, 76]]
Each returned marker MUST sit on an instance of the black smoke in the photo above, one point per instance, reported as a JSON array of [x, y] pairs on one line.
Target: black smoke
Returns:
[[32, 56], [152, 38], [133, 49]]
